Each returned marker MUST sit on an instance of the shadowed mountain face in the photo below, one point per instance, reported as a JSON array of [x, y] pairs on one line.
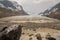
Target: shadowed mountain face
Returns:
[[54, 12], [8, 8], [7, 3], [54, 8]]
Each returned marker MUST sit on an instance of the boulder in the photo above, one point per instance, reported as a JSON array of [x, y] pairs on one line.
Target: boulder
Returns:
[[12, 32]]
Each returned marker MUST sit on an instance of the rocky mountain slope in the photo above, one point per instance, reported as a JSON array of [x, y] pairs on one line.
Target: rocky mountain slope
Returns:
[[11, 8], [54, 12]]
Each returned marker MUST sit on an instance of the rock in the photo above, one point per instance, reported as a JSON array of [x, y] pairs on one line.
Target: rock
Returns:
[[11, 33]]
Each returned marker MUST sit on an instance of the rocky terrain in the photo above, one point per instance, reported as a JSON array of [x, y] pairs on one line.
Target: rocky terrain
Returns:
[[42, 31], [55, 14], [11, 8], [11, 16], [33, 25]]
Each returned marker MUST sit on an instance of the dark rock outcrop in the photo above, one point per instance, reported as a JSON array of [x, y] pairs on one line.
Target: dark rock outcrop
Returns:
[[11, 33]]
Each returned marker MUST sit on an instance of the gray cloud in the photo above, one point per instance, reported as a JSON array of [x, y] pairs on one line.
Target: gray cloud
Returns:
[[34, 8]]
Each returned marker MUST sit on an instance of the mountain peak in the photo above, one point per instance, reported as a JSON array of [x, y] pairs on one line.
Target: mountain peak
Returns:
[[54, 8], [7, 3], [11, 4], [11, 8], [55, 13]]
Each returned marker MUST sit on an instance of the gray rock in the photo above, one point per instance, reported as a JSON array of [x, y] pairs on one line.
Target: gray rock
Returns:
[[11, 33]]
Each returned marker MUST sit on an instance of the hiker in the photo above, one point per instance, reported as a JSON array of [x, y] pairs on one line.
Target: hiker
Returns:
[[48, 37], [38, 36]]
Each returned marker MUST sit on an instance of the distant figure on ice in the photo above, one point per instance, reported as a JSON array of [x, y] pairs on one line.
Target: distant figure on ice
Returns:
[[48, 37], [38, 36], [12, 32]]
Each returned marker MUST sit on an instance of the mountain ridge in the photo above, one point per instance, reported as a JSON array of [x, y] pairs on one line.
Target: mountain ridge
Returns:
[[54, 12], [54, 8], [8, 8]]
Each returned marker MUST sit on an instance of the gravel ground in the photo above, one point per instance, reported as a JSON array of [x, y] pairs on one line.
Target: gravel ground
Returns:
[[29, 33]]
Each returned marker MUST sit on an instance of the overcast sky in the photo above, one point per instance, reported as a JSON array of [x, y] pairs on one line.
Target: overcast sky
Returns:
[[36, 6]]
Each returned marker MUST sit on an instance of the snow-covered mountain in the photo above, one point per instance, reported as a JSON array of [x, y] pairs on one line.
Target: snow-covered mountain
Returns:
[[10, 4], [54, 12], [10, 8], [52, 9]]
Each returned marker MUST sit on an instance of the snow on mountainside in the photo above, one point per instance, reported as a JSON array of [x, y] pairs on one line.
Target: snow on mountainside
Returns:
[[10, 4], [10, 8], [55, 13], [52, 9]]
